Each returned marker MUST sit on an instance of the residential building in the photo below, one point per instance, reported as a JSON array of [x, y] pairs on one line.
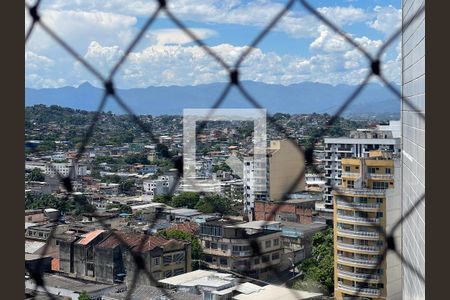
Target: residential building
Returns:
[[413, 145], [159, 186], [299, 210], [367, 199], [227, 246], [100, 256], [359, 144], [63, 169], [281, 174]]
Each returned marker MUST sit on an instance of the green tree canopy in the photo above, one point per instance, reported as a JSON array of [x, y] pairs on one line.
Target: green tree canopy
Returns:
[[319, 269], [36, 175], [186, 199]]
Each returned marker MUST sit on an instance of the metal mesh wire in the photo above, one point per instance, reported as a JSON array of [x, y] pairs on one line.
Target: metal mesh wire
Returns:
[[375, 70]]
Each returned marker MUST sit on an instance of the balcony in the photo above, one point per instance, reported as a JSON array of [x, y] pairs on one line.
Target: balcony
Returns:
[[358, 276], [359, 291], [365, 206], [362, 248], [380, 176], [359, 234], [359, 220], [349, 191], [350, 174], [358, 261], [241, 253]]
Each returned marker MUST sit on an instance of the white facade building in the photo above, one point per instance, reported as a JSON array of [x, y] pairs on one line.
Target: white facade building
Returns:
[[358, 144], [160, 186], [413, 145]]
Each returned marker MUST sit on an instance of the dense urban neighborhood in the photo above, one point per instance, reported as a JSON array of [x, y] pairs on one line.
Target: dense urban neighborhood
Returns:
[[89, 214]]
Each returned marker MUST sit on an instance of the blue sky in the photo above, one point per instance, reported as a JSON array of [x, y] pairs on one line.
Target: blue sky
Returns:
[[300, 48]]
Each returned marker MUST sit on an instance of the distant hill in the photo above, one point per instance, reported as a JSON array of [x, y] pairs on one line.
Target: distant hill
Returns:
[[306, 97]]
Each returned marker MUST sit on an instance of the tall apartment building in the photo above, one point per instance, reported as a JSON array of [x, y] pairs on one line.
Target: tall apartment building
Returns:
[[358, 144], [229, 245], [369, 196], [413, 144], [285, 163]]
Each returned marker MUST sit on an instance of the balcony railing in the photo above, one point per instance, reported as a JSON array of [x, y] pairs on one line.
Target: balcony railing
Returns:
[[371, 234], [363, 262], [380, 176], [358, 205], [360, 247], [241, 253], [353, 289], [350, 174], [361, 191], [358, 275], [359, 219]]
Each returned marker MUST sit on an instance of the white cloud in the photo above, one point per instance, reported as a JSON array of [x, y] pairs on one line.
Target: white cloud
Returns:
[[176, 36], [387, 19], [100, 30]]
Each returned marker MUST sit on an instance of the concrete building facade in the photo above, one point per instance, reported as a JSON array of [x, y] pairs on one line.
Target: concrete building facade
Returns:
[[413, 143], [367, 198], [358, 144], [285, 164], [227, 246]]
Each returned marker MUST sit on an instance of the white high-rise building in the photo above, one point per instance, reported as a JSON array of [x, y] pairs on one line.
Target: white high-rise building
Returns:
[[358, 144], [413, 144]]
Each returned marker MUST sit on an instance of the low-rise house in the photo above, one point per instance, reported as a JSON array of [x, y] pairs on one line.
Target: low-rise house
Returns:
[[253, 252]]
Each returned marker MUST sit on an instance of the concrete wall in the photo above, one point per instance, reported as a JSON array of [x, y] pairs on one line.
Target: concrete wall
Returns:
[[285, 165], [284, 212], [413, 143]]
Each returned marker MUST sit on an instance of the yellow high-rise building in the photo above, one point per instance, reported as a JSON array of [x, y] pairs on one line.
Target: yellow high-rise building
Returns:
[[366, 199]]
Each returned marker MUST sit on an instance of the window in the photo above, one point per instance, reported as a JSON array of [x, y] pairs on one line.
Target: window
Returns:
[[207, 244], [178, 271], [179, 257], [223, 261], [156, 261], [351, 184], [265, 258], [379, 214], [268, 244], [371, 170], [276, 242], [213, 245], [388, 170], [224, 247], [380, 185], [167, 259], [256, 261], [347, 169], [168, 274], [275, 255], [379, 200]]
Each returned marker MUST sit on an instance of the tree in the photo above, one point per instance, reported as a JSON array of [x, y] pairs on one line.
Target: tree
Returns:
[[319, 269], [186, 199], [214, 203], [36, 175], [166, 199], [126, 186], [84, 296], [184, 236]]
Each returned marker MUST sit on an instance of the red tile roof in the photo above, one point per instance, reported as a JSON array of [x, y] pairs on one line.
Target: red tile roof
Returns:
[[88, 237], [133, 240], [190, 227]]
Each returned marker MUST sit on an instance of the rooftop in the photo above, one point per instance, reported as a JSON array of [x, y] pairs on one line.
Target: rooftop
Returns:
[[133, 240], [88, 237]]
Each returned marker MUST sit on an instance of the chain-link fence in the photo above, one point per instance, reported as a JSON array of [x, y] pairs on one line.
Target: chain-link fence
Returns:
[[374, 63]]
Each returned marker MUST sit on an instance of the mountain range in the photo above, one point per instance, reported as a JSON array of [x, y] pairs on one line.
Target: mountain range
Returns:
[[305, 97]]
